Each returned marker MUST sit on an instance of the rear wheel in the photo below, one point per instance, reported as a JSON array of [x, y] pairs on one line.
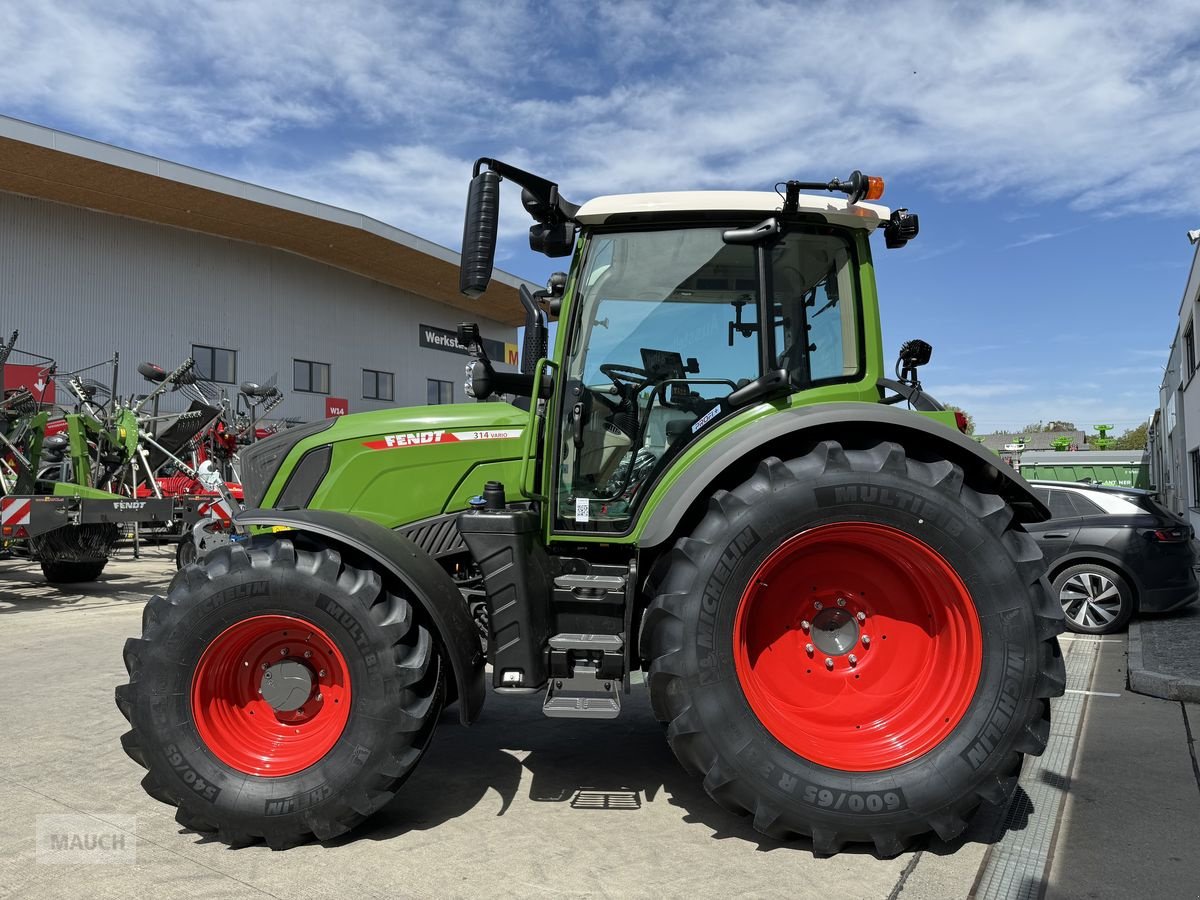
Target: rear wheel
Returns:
[[279, 694], [1094, 599], [854, 645]]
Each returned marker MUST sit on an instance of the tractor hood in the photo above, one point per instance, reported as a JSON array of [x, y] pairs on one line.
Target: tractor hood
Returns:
[[392, 466]]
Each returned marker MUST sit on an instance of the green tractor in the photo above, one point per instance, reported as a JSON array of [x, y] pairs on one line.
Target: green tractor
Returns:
[[840, 620]]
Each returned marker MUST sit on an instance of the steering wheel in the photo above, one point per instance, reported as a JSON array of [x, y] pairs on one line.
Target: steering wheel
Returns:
[[621, 375]]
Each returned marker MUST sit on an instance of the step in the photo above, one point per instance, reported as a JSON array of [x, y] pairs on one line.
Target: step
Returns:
[[583, 696], [607, 643]]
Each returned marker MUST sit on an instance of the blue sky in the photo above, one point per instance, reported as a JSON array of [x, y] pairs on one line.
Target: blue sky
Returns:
[[1050, 149]]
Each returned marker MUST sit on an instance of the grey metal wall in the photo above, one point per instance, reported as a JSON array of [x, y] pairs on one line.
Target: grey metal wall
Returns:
[[80, 285]]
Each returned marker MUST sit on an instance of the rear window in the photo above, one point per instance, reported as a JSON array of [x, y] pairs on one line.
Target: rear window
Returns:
[[1060, 505]]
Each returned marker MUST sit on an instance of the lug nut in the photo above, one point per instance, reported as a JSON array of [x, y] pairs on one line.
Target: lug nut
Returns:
[[283, 652], [841, 601], [862, 617], [808, 648], [307, 654], [853, 659], [321, 674], [320, 697], [866, 640], [805, 624], [264, 665], [818, 605], [828, 663]]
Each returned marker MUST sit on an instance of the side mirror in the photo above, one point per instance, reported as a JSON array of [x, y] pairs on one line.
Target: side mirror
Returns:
[[479, 233]]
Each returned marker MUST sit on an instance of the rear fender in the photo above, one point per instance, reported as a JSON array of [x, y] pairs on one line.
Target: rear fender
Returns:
[[408, 564], [791, 431]]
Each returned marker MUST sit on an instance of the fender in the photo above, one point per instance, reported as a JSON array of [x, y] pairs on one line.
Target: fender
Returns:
[[1089, 554], [791, 429], [412, 567]]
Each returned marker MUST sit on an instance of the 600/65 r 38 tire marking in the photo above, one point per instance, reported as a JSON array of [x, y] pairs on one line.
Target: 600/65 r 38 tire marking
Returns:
[[919, 552], [335, 746]]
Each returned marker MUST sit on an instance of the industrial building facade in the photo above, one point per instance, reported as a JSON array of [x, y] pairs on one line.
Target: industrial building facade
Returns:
[[105, 251], [1174, 433]]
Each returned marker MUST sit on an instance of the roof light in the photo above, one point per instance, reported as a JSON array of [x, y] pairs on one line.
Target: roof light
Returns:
[[874, 187]]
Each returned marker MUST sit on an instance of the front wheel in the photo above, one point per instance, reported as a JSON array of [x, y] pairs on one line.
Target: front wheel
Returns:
[[856, 646], [278, 694]]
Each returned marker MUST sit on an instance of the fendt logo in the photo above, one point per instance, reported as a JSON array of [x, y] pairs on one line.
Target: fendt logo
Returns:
[[413, 439], [420, 438], [128, 505]]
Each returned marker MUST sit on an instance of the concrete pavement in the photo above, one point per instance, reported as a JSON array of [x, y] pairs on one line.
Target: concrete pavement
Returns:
[[517, 805]]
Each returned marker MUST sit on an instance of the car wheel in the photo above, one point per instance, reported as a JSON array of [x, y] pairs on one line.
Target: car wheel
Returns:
[[1094, 598]]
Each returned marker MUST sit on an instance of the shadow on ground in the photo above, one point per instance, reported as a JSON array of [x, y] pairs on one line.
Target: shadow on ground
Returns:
[[595, 768], [23, 588]]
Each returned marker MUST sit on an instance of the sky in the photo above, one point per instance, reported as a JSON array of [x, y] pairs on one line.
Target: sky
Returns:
[[1050, 149]]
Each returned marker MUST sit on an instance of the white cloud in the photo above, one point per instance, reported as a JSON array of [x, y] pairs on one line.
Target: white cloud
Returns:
[[1086, 104]]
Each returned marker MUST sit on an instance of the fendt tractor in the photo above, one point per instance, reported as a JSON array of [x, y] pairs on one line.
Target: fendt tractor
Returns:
[[712, 481]]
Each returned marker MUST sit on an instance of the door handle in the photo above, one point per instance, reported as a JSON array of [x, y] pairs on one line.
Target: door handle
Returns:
[[1056, 535]]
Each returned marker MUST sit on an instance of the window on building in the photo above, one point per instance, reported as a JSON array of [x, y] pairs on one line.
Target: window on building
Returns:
[[1194, 458], [215, 363], [377, 385], [1189, 347], [439, 391], [311, 377]]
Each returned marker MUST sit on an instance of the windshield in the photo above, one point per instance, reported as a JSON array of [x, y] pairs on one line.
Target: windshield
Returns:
[[667, 328]]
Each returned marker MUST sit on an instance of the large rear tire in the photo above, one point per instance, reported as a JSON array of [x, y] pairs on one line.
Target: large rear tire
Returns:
[[279, 694], [855, 646]]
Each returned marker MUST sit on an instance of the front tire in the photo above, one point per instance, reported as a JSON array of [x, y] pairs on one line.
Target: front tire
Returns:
[[759, 612], [279, 694]]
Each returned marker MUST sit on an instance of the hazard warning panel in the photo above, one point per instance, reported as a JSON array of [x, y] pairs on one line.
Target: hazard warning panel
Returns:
[[35, 378], [15, 511]]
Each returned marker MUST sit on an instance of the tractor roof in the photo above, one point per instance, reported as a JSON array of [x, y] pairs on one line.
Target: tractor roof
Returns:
[[836, 210]]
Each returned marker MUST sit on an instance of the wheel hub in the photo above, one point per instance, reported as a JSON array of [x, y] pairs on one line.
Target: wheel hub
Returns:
[[834, 631], [271, 695], [287, 685], [857, 646]]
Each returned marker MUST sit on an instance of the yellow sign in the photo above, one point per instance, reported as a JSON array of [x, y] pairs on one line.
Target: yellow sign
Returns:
[[512, 355]]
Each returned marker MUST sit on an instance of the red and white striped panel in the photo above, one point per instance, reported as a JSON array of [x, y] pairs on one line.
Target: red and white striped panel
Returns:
[[15, 511]]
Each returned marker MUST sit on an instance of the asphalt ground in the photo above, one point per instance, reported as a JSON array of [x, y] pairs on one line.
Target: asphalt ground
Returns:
[[522, 806]]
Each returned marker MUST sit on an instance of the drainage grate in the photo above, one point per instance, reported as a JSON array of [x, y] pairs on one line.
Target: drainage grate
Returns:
[[589, 799], [1016, 864]]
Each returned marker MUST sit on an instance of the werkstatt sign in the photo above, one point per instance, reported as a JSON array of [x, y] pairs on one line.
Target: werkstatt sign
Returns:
[[442, 339], [336, 406]]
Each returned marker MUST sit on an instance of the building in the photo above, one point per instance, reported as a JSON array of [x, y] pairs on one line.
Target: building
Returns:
[[1174, 434], [1003, 442], [106, 251]]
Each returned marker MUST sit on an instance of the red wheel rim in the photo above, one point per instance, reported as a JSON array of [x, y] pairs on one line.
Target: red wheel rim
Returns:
[[857, 646], [239, 724]]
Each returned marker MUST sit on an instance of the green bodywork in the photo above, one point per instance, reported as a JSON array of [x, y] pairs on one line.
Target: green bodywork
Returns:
[[440, 456]]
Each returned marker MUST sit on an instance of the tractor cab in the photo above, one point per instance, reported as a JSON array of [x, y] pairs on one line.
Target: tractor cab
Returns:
[[684, 310]]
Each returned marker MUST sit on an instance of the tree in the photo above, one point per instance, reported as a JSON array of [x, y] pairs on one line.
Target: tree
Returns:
[[1052, 425], [970, 418], [1133, 439]]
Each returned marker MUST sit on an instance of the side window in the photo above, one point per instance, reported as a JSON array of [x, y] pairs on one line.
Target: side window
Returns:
[[1084, 506], [814, 287], [1061, 506], [668, 327]]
